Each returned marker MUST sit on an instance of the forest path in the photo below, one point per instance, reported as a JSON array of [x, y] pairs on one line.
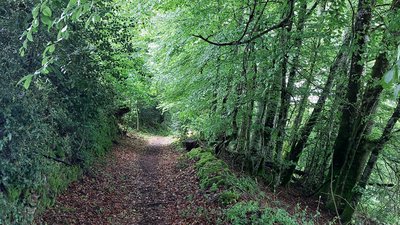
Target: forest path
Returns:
[[139, 183]]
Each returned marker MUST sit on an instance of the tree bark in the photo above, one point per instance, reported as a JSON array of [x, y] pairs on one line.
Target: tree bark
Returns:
[[348, 134], [297, 147], [356, 173], [377, 147]]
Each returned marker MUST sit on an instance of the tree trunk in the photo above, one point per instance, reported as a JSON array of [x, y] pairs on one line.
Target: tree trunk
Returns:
[[377, 147], [364, 123], [297, 147], [287, 83], [348, 134]]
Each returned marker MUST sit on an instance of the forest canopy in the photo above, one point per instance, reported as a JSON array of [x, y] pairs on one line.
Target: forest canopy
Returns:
[[300, 93], [288, 88]]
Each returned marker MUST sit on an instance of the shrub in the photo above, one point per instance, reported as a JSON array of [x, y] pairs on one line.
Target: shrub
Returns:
[[52, 131]]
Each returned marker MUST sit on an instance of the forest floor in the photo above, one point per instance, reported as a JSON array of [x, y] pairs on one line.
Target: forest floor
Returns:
[[140, 183]]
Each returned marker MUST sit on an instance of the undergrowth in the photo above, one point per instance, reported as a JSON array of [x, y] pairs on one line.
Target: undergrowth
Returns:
[[240, 196]]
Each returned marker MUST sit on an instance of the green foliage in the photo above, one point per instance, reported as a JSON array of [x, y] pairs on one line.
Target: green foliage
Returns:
[[244, 213], [216, 177], [252, 93], [229, 197], [251, 213], [232, 72], [59, 119]]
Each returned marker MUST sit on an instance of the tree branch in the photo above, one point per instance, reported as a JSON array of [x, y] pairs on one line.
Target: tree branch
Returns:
[[56, 159], [282, 23], [312, 8]]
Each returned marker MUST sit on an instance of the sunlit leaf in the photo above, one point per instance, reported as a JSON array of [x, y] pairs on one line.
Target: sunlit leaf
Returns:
[[44, 60], [75, 16], [35, 23], [29, 36], [397, 90], [398, 53], [35, 12], [388, 78], [52, 47], [46, 11], [22, 51], [72, 3], [64, 29], [26, 80]]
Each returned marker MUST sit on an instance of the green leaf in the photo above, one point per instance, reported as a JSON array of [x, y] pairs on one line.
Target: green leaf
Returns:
[[396, 91], [59, 36], [46, 11], [45, 60], [35, 23], [75, 16], [66, 35], [35, 12], [60, 24], [96, 18], [88, 21], [388, 78], [86, 7], [398, 53], [26, 80], [72, 3], [22, 51], [44, 70], [64, 29], [46, 20], [51, 48], [29, 36]]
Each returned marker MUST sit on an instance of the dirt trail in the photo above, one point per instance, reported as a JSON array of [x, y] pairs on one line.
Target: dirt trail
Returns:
[[138, 184], [150, 193]]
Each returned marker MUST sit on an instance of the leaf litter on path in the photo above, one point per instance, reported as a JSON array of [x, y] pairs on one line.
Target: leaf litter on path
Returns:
[[139, 183]]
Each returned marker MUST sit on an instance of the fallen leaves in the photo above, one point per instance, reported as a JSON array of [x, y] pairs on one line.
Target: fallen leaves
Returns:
[[140, 183]]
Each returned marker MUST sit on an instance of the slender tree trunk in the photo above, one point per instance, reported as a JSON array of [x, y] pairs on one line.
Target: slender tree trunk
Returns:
[[270, 117], [287, 85], [257, 127], [242, 138], [303, 103], [137, 116], [297, 147], [304, 99]]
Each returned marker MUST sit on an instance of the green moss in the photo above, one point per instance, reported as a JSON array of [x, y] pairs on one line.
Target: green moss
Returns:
[[195, 154], [251, 213], [243, 213], [229, 197], [13, 193], [211, 171], [215, 176]]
